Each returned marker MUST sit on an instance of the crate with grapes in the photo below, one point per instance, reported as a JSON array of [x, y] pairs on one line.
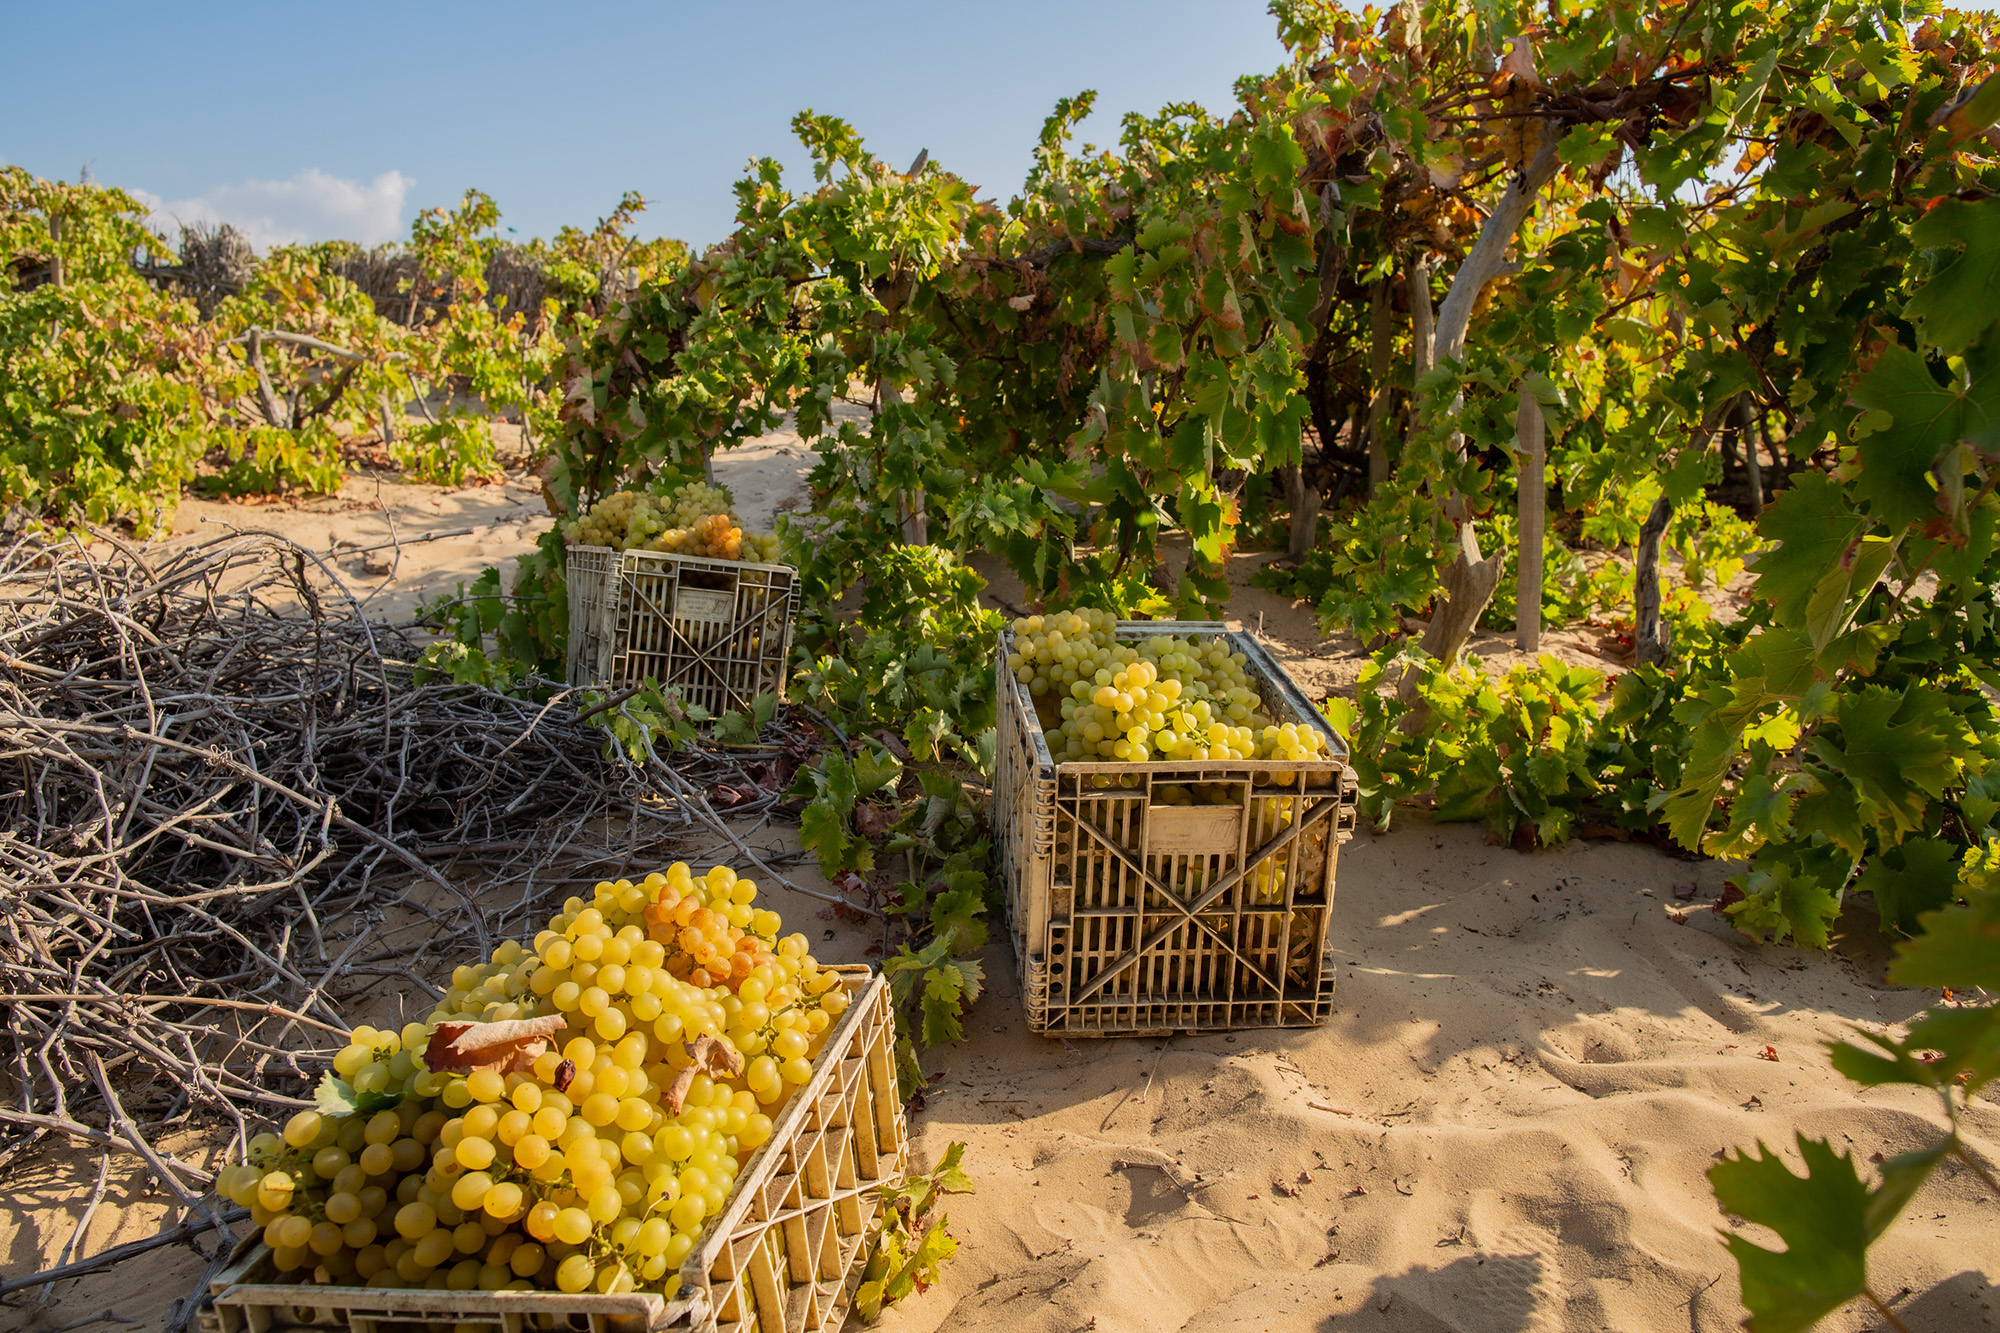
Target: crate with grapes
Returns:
[[1170, 811], [671, 588], [661, 1113]]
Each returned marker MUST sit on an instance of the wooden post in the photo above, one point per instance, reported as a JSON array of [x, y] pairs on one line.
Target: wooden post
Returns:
[[1529, 430], [916, 524]]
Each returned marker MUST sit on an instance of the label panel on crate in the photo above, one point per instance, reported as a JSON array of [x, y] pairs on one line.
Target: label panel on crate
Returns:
[[1173, 829], [705, 604]]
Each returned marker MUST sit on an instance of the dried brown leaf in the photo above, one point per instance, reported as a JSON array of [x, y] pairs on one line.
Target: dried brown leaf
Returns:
[[461, 1048], [707, 1056]]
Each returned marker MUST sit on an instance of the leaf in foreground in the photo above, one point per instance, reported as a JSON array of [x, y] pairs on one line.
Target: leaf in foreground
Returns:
[[1827, 1219]]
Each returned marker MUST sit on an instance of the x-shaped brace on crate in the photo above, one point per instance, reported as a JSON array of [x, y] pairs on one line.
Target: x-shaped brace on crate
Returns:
[[737, 637], [1318, 813]]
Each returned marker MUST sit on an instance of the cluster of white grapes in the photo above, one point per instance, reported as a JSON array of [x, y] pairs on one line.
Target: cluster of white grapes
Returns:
[[598, 1165], [1159, 698], [693, 520]]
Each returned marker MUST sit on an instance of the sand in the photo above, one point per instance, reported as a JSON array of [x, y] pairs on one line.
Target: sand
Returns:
[[1504, 1127]]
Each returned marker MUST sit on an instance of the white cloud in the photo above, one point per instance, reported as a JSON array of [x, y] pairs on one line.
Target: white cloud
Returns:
[[311, 206]]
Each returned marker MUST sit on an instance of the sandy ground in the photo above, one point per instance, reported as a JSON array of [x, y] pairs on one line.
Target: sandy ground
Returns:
[[1503, 1129]]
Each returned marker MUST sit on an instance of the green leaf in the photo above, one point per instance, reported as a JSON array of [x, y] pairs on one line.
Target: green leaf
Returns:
[[925, 732], [1832, 809], [1785, 898], [958, 915], [734, 728], [949, 1175], [875, 768], [1916, 877], [1960, 947], [1812, 525], [826, 826], [1962, 299], [949, 989], [984, 750], [335, 1096], [936, 1247], [1823, 1218], [1759, 813], [1894, 478], [1895, 750]]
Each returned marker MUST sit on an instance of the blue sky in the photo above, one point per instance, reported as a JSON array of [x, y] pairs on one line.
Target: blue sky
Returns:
[[308, 122]]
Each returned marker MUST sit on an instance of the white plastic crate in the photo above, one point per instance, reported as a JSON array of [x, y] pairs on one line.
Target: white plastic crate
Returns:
[[717, 631], [1131, 915], [784, 1255]]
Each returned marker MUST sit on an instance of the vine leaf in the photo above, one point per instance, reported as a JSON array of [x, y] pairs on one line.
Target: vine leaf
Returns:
[[1929, 418], [1813, 525], [1827, 1218], [1907, 880], [335, 1096], [900, 1261], [1783, 898], [1759, 813], [826, 825], [1960, 946], [875, 768], [1957, 304], [957, 915], [1895, 768], [1823, 1218], [1831, 808], [949, 987], [460, 1048]]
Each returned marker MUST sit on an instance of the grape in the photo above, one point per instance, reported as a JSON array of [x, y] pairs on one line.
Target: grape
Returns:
[[493, 1180], [1161, 698], [693, 520], [575, 1274]]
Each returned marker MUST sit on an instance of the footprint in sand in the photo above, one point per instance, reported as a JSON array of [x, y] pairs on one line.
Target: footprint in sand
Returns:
[[1509, 1283], [1515, 1276]]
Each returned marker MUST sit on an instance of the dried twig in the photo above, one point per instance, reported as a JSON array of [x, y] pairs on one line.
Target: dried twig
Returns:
[[119, 1253], [76, 1238]]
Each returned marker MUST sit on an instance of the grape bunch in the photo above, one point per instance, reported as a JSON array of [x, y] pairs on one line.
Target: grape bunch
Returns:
[[686, 1022], [693, 520], [1162, 698]]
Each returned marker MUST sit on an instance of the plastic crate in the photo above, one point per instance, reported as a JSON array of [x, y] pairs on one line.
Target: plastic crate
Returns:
[[1132, 916], [717, 631], [784, 1255]]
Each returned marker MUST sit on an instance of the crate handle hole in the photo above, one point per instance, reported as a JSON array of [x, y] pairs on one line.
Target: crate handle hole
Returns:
[[710, 579]]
